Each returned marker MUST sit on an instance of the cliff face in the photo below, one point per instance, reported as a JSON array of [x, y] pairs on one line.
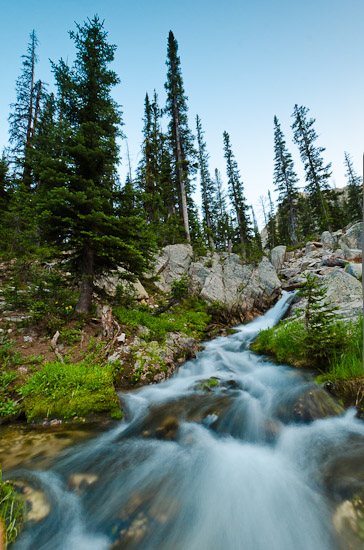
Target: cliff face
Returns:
[[243, 290]]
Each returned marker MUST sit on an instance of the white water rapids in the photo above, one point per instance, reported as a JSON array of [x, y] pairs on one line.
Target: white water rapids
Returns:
[[244, 469]]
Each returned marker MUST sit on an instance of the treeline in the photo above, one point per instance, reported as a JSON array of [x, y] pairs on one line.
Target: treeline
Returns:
[[59, 185]]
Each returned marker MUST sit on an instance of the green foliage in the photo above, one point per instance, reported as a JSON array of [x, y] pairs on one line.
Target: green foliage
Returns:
[[67, 390], [12, 510], [354, 205], [9, 402], [347, 362], [285, 180], [322, 332], [237, 197], [43, 292], [180, 287], [288, 343], [317, 174], [180, 140], [208, 192], [190, 317]]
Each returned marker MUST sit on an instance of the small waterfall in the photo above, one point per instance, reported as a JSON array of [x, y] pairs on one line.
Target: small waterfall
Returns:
[[243, 464]]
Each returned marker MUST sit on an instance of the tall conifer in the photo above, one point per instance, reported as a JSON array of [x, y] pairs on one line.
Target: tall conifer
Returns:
[[236, 194], [80, 199], [354, 205], [317, 173], [285, 180], [209, 207], [22, 119], [180, 137]]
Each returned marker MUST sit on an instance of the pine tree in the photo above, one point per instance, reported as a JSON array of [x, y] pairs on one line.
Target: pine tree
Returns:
[[285, 181], [79, 199], [319, 317], [271, 225], [222, 225], [317, 174], [22, 121], [180, 137], [149, 167], [257, 238], [354, 204], [236, 194], [209, 207]]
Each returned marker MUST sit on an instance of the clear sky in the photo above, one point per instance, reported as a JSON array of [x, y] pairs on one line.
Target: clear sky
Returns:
[[242, 63]]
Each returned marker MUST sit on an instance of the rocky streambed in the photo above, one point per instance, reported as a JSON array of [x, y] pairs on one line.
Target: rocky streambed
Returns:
[[232, 451]]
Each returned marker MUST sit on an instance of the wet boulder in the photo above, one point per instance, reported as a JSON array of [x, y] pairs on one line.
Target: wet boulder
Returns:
[[305, 406]]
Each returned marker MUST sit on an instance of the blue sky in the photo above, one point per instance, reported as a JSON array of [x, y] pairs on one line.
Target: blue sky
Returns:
[[242, 63]]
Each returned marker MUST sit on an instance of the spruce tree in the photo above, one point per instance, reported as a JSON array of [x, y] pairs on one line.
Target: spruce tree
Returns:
[[271, 225], [222, 224], [149, 167], [285, 180], [79, 199], [23, 118], [257, 238], [319, 317], [354, 205], [209, 207], [180, 137], [317, 173], [236, 194]]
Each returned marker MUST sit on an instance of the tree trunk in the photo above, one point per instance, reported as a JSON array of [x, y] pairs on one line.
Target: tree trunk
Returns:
[[180, 175], [87, 282]]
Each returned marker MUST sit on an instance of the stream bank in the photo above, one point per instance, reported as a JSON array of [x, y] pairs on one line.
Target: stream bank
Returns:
[[231, 451]]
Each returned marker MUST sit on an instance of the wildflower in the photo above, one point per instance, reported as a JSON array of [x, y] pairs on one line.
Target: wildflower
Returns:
[[56, 302]]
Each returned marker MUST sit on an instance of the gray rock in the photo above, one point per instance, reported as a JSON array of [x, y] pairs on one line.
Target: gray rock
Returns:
[[310, 247], [109, 284], [354, 269], [172, 264], [220, 277], [121, 339], [277, 256], [345, 291], [354, 236], [114, 357], [328, 240], [349, 253]]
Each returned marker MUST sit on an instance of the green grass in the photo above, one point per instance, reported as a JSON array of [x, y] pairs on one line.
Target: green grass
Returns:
[[66, 390], [343, 359], [286, 342], [12, 510], [348, 363], [190, 317]]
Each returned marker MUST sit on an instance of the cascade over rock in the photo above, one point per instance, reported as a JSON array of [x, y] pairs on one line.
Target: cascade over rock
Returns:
[[328, 259]]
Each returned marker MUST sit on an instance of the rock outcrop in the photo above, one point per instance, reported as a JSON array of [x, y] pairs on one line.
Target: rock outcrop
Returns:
[[328, 259], [242, 289]]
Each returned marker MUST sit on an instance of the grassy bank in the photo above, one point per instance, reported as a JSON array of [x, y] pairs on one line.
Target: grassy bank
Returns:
[[339, 355], [12, 513]]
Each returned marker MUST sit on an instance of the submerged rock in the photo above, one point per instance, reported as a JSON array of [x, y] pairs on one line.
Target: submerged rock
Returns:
[[307, 406]]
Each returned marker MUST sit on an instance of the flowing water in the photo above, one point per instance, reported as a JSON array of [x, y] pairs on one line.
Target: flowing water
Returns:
[[236, 463]]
